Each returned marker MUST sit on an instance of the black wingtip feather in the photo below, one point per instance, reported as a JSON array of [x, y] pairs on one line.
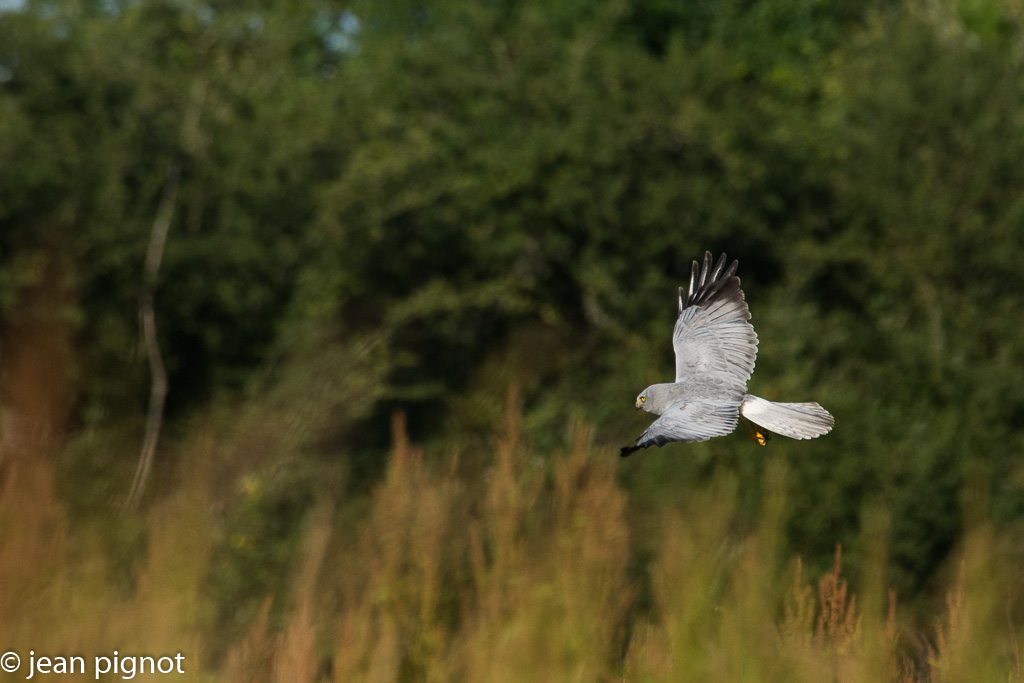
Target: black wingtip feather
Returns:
[[717, 273], [731, 272], [706, 270], [694, 274], [627, 451], [706, 282]]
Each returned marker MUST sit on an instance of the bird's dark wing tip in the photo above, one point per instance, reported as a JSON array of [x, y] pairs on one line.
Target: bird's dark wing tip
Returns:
[[627, 451]]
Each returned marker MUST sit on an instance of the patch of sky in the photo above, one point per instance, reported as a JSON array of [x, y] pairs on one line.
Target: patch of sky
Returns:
[[255, 23], [339, 31], [205, 14]]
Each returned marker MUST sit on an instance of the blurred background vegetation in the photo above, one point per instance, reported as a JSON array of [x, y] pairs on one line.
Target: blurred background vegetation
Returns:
[[458, 212]]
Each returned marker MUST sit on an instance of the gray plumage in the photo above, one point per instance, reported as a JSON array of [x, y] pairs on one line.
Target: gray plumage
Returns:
[[715, 347]]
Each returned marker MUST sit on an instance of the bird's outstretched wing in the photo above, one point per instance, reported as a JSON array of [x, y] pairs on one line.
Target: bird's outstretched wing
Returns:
[[713, 333], [690, 421]]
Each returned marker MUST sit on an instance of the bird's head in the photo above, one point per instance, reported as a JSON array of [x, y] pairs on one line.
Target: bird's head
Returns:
[[641, 400]]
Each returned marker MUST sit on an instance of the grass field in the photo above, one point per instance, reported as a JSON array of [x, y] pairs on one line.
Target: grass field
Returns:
[[524, 574]]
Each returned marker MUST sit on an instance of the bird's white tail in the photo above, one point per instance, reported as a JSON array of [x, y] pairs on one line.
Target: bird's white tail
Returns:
[[795, 420]]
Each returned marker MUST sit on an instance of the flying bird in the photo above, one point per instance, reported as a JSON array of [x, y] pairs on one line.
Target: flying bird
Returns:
[[715, 347]]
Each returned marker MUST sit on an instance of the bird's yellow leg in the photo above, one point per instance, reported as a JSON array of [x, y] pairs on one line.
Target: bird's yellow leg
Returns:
[[762, 438]]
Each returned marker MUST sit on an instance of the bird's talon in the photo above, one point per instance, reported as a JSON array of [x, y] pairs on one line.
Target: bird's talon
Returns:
[[755, 434]]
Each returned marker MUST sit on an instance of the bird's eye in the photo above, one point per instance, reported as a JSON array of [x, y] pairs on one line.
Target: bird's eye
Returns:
[[643, 399]]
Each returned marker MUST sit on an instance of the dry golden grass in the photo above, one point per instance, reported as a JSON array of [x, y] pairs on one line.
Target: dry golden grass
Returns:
[[522, 576]]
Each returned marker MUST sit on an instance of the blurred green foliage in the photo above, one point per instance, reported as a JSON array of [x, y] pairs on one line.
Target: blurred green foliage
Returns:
[[404, 205]]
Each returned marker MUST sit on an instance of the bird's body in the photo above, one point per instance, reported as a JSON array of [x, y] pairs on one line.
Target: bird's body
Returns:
[[715, 347]]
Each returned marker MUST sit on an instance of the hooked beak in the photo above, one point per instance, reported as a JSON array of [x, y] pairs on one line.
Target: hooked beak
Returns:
[[638, 404]]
